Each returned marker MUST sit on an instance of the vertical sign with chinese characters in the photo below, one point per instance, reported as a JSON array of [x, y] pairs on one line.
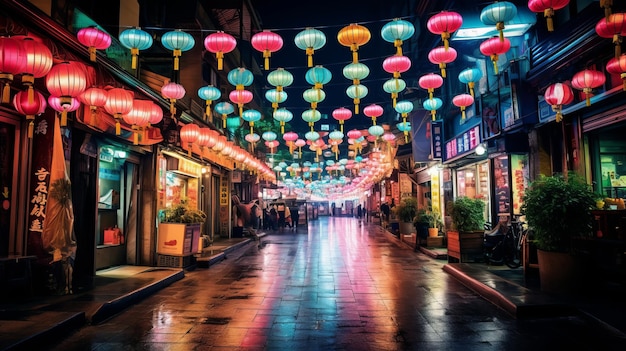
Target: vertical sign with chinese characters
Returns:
[[161, 180], [224, 206], [434, 191], [436, 140], [40, 181], [520, 179]]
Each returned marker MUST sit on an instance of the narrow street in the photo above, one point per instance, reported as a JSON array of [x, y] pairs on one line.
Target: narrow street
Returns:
[[341, 286]]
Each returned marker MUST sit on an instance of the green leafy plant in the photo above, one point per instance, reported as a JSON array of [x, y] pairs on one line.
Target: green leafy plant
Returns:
[[407, 209], [181, 213], [429, 217], [557, 209], [467, 214]]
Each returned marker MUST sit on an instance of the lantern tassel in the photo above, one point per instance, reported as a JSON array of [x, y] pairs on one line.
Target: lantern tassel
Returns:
[[606, 4], [92, 119], [31, 94], [189, 147], [220, 60], [434, 114], [471, 88], [443, 69], [223, 121], [177, 54], [63, 118], [266, 62], [309, 54], [6, 93], [463, 114], [500, 28], [92, 54], [355, 56], [135, 138], [494, 58], [134, 53], [31, 128], [118, 127], [548, 13], [444, 37], [398, 44], [373, 121]]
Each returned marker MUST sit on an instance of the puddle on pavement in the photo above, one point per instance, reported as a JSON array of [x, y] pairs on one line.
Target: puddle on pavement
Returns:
[[216, 320]]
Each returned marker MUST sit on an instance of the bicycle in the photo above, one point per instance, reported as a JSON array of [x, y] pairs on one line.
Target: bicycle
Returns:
[[505, 247]]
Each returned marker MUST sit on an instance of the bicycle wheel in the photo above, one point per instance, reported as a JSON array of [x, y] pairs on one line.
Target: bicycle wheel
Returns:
[[512, 252]]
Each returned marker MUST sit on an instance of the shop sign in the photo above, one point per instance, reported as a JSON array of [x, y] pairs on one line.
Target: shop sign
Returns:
[[436, 147], [501, 177], [463, 143], [520, 178], [224, 205], [161, 180], [434, 191]]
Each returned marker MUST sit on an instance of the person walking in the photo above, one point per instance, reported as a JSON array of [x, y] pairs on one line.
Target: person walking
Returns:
[[384, 209]]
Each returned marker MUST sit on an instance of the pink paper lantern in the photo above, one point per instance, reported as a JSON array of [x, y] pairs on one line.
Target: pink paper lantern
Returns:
[[442, 56], [267, 42]]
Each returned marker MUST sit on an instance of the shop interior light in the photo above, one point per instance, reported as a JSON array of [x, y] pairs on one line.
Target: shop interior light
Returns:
[[480, 150], [119, 154], [473, 28]]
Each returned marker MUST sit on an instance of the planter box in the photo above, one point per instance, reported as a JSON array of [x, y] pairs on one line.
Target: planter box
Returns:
[[465, 246], [178, 238]]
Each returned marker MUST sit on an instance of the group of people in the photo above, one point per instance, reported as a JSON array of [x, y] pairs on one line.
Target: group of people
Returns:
[[280, 216]]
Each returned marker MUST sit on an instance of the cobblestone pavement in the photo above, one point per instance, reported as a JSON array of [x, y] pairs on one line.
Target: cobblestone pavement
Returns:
[[339, 286]]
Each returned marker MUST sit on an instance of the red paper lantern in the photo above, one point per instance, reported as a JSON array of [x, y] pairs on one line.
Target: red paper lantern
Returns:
[[618, 66], [373, 111], [12, 61], [240, 97], [613, 27], [267, 42], [441, 56], [156, 114], [463, 101], [55, 103], [173, 91], [38, 62], [493, 47], [119, 102], [207, 137], [586, 81], [290, 138], [94, 39], [342, 114], [547, 7], [430, 82], [444, 23], [189, 134], [94, 97], [29, 108], [138, 117], [220, 43], [396, 64], [557, 95], [66, 80]]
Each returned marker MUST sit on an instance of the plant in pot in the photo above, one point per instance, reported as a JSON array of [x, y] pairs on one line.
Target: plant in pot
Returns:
[[406, 212], [466, 237], [179, 230], [430, 220], [558, 210]]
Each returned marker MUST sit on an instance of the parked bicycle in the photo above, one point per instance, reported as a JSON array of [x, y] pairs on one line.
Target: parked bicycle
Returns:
[[503, 243]]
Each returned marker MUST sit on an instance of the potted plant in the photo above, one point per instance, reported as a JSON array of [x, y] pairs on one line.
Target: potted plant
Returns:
[[179, 230], [406, 211], [558, 209], [465, 239], [431, 220]]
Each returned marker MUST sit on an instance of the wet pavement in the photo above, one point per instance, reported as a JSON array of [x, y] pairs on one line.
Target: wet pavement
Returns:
[[338, 286]]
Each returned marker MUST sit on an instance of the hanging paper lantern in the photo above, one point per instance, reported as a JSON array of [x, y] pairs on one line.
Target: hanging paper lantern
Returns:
[[94, 98], [397, 31], [470, 76], [547, 7], [224, 108], [119, 102], [173, 91], [444, 24], [354, 134], [442, 56], [63, 108], [310, 39], [353, 36], [156, 114], [233, 123], [405, 128], [267, 42], [430, 82], [318, 76], [373, 111], [12, 61], [389, 137], [356, 93], [396, 65], [269, 136], [282, 116], [375, 131], [207, 138], [275, 97], [463, 101], [220, 43], [493, 47], [356, 72], [618, 66], [67, 81], [557, 95], [433, 105], [251, 116], [606, 5], [613, 27], [189, 134], [252, 139], [209, 94], [240, 78], [290, 139], [404, 107], [29, 109], [240, 97], [497, 14], [177, 41], [311, 116], [272, 145], [314, 96], [94, 39], [394, 86], [138, 117], [299, 144], [312, 136], [586, 81], [135, 39], [280, 78], [38, 61], [341, 114]]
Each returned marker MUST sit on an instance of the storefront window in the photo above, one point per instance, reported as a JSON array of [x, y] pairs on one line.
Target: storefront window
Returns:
[[502, 190], [111, 183]]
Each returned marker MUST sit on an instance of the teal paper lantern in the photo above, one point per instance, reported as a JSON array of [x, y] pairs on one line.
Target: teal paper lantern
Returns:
[[356, 71], [356, 92], [177, 41], [394, 86], [470, 76], [433, 105], [280, 78], [396, 32], [240, 78], [311, 116], [318, 76], [314, 96], [283, 116], [310, 39], [135, 39], [209, 94], [251, 116], [275, 97]]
